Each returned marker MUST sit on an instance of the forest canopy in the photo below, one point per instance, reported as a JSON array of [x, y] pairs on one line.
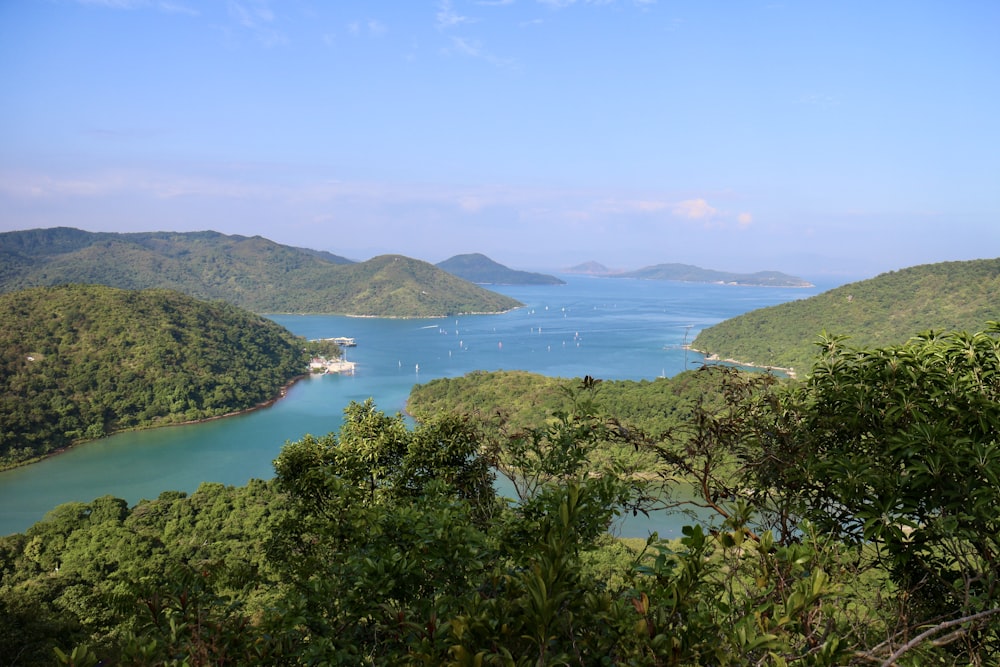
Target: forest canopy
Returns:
[[81, 361]]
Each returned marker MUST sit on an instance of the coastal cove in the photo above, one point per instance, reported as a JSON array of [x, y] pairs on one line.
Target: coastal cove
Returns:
[[609, 329]]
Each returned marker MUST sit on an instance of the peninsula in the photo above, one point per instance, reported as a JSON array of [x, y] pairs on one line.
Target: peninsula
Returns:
[[78, 362]]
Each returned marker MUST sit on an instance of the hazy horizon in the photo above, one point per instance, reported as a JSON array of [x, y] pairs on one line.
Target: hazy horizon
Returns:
[[823, 140]]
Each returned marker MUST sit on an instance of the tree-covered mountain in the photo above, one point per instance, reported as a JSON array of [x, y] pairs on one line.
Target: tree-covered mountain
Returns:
[[398, 286], [251, 272], [884, 310], [694, 274], [479, 268], [81, 361]]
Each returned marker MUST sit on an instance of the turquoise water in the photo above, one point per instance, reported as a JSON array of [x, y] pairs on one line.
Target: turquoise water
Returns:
[[606, 328]]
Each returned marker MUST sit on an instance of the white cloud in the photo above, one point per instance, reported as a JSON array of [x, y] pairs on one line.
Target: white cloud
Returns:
[[744, 219], [694, 209]]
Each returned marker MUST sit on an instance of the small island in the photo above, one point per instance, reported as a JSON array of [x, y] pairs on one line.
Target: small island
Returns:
[[480, 269], [694, 274]]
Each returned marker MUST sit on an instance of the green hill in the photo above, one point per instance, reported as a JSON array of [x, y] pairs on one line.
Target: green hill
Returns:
[[250, 272], [478, 268], [694, 274], [80, 361], [397, 286], [880, 311]]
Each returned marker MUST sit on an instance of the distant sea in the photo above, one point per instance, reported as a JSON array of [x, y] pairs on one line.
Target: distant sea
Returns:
[[608, 328]]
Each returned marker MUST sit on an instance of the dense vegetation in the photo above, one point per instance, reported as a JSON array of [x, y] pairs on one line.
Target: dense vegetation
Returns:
[[81, 361], [478, 268], [885, 310], [694, 274], [857, 524], [524, 400], [253, 273]]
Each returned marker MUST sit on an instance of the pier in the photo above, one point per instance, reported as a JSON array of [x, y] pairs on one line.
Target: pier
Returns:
[[343, 341]]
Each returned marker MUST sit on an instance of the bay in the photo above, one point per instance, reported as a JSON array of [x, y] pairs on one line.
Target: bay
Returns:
[[606, 328]]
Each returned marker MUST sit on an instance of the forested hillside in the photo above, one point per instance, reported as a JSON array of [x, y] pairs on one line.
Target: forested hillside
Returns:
[[884, 310], [397, 286], [81, 361], [250, 272]]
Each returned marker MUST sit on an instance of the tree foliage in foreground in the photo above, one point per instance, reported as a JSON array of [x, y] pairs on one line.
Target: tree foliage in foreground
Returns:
[[857, 525], [81, 361]]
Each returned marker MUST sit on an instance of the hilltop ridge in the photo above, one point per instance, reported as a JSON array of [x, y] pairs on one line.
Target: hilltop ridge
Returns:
[[251, 272]]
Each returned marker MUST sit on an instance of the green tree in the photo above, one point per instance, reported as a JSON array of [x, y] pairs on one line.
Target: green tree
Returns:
[[899, 449]]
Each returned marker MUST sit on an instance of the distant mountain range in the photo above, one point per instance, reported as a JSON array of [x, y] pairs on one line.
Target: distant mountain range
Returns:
[[479, 268], [591, 269], [251, 272], [694, 274], [885, 310]]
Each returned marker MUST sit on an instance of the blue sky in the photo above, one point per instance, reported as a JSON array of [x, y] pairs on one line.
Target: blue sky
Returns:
[[817, 138]]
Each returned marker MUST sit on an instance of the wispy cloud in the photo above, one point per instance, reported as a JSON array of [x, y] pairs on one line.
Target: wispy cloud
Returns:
[[161, 5], [694, 209], [474, 49], [370, 27], [562, 4], [821, 100], [250, 15], [257, 17], [116, 182], [447, 17], [114, 4]]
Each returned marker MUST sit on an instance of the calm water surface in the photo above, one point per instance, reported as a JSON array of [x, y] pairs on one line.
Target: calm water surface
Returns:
[[606, 328]]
